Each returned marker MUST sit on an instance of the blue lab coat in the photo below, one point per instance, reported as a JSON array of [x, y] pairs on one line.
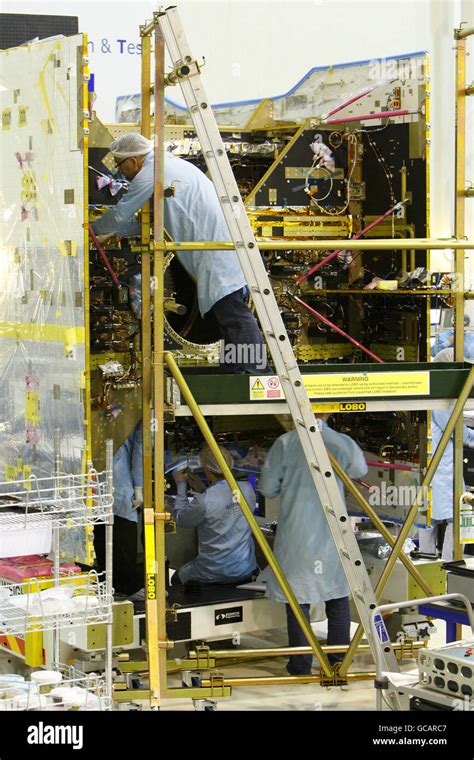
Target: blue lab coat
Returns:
[[128, 473], [193, 214], [304, 546], [226, 548], [442, 483]]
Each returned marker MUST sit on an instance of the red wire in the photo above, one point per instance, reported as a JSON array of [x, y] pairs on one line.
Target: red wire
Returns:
[[103, 256], [338, 330], [332, 255], [367, 116]]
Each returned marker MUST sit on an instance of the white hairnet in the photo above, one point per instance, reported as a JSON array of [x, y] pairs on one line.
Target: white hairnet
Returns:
[[207, 459], [131, 144]]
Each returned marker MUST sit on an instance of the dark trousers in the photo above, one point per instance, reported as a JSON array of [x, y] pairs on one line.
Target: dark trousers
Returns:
[[339, 622], [241, 335], [128, 576]]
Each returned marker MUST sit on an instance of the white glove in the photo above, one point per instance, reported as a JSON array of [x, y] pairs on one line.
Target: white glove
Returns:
[[103, 238], [138, 497], [322, 154]]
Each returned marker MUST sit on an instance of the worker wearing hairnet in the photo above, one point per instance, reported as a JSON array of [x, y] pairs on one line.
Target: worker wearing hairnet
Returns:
[[442, 484], [193, 213], [128, 496], [226, 548], [304, 546]]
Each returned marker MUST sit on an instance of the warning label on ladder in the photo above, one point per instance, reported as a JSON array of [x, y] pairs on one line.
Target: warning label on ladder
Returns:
[[265, 387]]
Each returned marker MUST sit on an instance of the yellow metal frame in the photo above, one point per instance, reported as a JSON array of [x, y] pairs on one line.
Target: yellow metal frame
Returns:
[[155, 515], [460, 36]]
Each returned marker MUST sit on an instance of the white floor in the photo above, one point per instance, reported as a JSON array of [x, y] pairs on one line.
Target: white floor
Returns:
[[358, 695]]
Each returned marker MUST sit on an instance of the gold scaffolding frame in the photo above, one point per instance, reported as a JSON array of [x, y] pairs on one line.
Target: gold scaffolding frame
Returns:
[[155, 515]]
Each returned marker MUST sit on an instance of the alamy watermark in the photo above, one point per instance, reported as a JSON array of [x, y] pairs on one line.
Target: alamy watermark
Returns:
[[43, 733], [397, 68], [397, 496], [244, 354]]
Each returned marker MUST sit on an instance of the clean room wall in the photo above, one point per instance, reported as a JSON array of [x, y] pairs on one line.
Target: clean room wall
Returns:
[[255, 49]]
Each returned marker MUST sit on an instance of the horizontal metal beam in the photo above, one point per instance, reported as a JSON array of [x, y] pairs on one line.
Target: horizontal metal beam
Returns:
[[204, 692], [462, 33], [200, 692], [399, 292], [380, 244], [185, 664], [276, 407], [262, 654], [288, 680]]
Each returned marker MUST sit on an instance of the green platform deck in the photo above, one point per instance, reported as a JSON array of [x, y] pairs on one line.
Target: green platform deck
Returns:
[[230, 394]]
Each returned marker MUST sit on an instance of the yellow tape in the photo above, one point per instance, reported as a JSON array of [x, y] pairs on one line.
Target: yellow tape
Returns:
[[49, 124], [6, 119], [50, 333], [27, 476], [68, 247], [22, 117], [11, 472], [32, 408], [34, 649], [13, 645], [150, 549]]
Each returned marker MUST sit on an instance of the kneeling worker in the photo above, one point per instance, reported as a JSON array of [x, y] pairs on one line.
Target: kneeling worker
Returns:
[[226, 548], [304, 546]]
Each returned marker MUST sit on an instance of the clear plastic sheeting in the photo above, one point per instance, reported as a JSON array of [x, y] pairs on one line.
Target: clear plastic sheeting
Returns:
[[42, 348], [350, 89]]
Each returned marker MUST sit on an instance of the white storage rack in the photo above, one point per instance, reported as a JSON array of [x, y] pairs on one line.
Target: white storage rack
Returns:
[[62, 501], [76, 691]]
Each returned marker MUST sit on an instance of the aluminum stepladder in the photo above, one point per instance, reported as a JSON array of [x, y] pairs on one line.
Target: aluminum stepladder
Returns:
[[186, 72]]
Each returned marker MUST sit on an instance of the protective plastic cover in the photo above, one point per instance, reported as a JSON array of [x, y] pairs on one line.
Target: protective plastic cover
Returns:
[[42, 336], [341, 89]]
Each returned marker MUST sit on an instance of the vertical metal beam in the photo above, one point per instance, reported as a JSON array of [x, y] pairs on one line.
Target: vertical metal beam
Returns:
[[56, 543], [151, 604], [459, 230], [85, 158], [410, 519], [109, 463], [158, 360]]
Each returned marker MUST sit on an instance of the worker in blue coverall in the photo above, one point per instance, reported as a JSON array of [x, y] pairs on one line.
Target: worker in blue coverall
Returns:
[[193, 213], [304, 546], [442, 484], [226, 548]]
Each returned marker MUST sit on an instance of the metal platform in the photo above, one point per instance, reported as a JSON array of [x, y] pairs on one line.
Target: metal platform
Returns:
[[214, 611], [331, 387]]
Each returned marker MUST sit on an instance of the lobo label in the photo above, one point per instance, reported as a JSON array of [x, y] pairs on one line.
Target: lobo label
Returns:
[[151, 586]]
